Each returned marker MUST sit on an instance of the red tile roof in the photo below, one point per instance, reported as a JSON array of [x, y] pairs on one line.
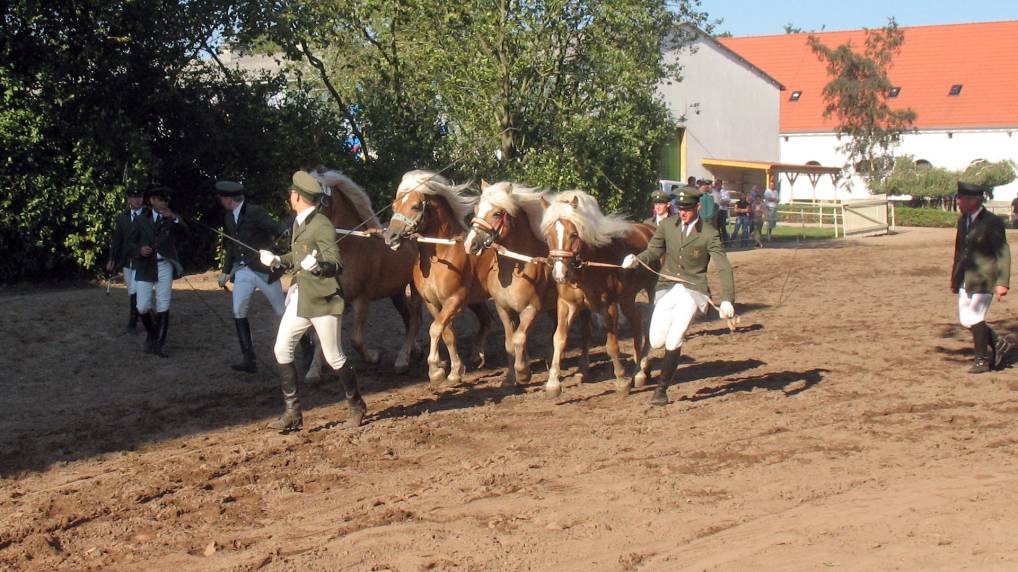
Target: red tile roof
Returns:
[[983, 58]]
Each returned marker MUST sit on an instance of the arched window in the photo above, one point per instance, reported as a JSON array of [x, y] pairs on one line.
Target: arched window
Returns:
[[923, 164], [814, 163]]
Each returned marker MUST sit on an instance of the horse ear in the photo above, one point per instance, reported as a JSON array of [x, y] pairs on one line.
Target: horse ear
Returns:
[[509, 191], [575, 202], [544, 202], [484, 185]]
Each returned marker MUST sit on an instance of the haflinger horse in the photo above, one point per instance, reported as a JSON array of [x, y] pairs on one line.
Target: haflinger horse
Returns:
[[371, 270], [579, 234], [428, 205], [508, 218]]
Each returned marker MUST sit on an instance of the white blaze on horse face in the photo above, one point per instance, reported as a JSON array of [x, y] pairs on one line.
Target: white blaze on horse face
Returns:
[[483, 208], [559, 270], [469, 242]]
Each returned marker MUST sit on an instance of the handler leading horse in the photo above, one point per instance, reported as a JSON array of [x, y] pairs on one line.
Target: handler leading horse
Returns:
[[581, 237]]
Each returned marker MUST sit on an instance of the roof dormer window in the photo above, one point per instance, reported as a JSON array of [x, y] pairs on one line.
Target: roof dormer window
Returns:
[[955, 89], [894, 91], [795, 96]]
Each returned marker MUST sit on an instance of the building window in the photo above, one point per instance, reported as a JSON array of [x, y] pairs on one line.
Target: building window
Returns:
[[815, 163], [894, 91], [795, 96], [923, 164], [955, 89]]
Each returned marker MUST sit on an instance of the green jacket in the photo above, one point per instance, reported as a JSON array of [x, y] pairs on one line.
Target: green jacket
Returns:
[[982, 258], [687, 257], [318, 294]]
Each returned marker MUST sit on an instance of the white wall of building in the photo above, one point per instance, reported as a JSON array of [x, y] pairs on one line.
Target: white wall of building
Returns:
[[954, 152], [731, 110]]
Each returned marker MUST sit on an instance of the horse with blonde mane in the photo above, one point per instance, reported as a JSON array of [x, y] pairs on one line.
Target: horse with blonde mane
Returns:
[[371, 270], [508, 217], [448, 278], [578, 234]]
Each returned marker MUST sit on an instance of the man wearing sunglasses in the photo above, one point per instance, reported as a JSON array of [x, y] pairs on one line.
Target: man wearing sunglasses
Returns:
[[688, 246]]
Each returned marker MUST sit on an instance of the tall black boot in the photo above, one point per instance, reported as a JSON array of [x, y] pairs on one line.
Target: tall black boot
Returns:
[[291, 419], [981, 342], [162, 325], [132, 320], [151, 334], [307, 352], [248, 364], [668, 367], [354, 401], [1000, 347]]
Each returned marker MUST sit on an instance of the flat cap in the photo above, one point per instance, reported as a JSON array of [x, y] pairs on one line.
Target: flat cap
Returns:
[[660, 197], [134, 192], [972, 189], [307, 186], [160, 191], [687, 196], [229, 188]]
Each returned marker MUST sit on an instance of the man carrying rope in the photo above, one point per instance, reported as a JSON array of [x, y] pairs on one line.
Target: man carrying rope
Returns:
[[688, 246], [252, 225], [315, 299]]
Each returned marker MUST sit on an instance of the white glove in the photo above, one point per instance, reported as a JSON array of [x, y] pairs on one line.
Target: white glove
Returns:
[[269, 259], [630, 261], [310, 263], [726, 310], [223, 279]]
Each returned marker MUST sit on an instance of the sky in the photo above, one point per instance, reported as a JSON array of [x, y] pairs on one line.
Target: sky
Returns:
[[765, 17]]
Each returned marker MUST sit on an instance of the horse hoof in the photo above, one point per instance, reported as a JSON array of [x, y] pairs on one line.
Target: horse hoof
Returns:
[[622, 387], [640, 379], [523, 376], [372, 357], [553, 391], [436, 376]]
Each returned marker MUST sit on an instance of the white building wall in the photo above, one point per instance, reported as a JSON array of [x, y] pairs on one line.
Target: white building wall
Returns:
[[731, 111], [954, 152]]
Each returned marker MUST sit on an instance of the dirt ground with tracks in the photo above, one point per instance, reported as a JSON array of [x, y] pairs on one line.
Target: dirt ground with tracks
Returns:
[[836, 428]]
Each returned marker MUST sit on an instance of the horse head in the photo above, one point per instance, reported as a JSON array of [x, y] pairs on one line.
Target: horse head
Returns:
[[409, 217], [492, 220], [565, 246]]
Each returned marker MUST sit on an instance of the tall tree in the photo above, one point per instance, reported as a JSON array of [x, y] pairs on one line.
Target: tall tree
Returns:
[[857, 99]]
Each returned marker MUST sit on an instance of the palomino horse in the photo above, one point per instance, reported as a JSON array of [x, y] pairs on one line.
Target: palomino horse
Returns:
[[580, 234], [509, 216], [371, 270], [446, 276]]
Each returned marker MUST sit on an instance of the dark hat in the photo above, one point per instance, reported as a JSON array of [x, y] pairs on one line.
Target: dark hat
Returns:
[[162, 192], [229, 188], [687, 196], [972, 189], [307, 186], [134, 192], [660, 197]]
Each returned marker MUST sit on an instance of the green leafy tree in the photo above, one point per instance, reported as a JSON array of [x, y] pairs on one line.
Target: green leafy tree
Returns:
[[857, 98]]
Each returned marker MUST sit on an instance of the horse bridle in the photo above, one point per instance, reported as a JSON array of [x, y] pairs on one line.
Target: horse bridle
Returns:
[[570, 256], [409, 224], [492, 233]]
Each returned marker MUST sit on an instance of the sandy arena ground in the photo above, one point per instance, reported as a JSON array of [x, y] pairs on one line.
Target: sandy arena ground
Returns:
[[836, 429]]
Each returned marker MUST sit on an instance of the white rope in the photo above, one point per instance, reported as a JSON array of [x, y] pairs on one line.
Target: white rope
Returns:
[[359, 233]]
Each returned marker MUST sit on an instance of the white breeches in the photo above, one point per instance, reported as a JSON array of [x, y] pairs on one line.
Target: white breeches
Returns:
[[163, 289], [674, 310], [245, 282], [292, 327], [129, 280], [972, 307]]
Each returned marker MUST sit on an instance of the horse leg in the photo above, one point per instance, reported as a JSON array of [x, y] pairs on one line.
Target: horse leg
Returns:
[[409, 309], [508, 324], [640, 357], [522, 365], [565, 316], [435, 371], [360, 317], [456, 367], [484, 318], [612, 346], [585, 335]]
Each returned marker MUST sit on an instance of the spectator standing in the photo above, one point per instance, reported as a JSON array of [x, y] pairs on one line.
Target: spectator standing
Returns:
[[757, 211], [770, 198], [723, 199]]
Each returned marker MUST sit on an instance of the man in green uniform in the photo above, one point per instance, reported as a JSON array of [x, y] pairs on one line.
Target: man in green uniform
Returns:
[[688, 246], [662, 208], [315, 299], [981, 268]]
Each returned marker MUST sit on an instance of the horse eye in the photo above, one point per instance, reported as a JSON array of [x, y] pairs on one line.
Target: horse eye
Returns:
[[418, 206]]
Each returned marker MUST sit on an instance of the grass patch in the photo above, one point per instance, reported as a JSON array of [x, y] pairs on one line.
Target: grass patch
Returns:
[[936, 218]]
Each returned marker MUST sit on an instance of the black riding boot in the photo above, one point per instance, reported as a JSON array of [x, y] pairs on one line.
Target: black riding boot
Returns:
[[981, 342], [163, 325], [248, 363], [151, 333], [307, 352], [291, 419], [132, 320], [668, 367], [1000, 349], [354, 401]]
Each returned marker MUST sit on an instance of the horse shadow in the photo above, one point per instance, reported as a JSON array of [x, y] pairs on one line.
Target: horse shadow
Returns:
[[773, 381], [447, 398]]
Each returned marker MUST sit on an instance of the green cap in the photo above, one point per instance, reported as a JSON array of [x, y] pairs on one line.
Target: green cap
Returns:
[[229, 188], [660, 197], [687, 196], [307, 186], [972, 189]]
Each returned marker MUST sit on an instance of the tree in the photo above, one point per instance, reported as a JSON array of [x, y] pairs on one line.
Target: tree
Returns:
[[857, 99]]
